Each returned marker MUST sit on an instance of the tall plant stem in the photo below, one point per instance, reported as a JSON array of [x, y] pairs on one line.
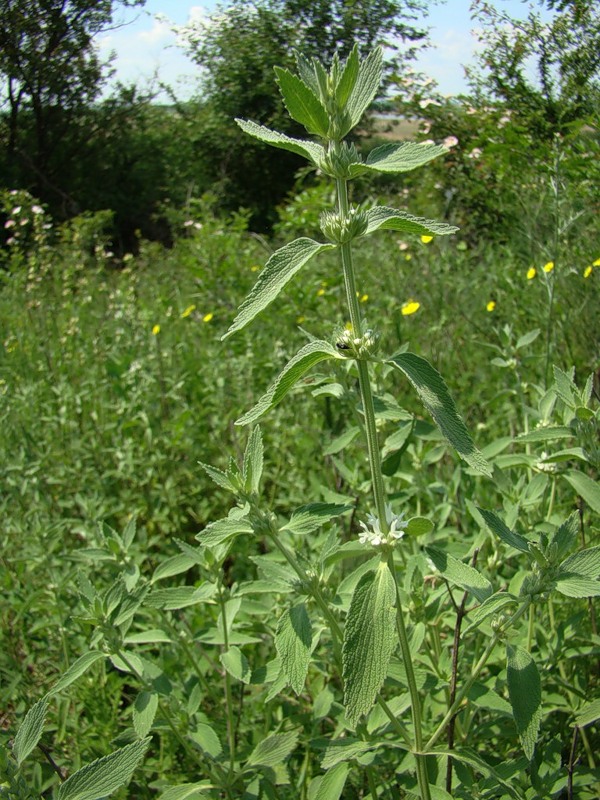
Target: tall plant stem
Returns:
[[364, 381], [228, 692], [415, 700]]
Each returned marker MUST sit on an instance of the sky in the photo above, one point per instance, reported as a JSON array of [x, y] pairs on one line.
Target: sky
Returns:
[[147, 52]]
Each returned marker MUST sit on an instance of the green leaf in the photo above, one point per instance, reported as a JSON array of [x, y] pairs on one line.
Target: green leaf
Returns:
[[343, 750], [565, 536], [585, 487], [436, 398], [546, 435], [586, 563], [369, 640], [144, 711], [588, 713], [490, 606], [525, 693], [347, 80], [389, 219], [418, 526], [174, 565], [176, 597], [463, 575], [330, 785], [341, 441], [222, 530], [293, 642], [105, 775], [365, 87], [30, 731], [310, 150], [564, 387], [236, 664], [273, 750], [309, 518], [302, 103], [304, 360], [221, 478], [76, 670], [278, 271], [498, 527], [207, 740], [253, 461], [577, 586], [527, 338], [185, 791], [398, 157]]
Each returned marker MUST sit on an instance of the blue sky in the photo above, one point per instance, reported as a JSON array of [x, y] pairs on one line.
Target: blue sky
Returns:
[[146, 47]]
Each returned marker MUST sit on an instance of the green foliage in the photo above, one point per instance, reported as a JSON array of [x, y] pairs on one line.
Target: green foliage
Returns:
[[307, 642]]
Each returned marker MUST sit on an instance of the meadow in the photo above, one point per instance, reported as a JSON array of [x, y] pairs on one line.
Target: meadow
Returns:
[[212, 667]]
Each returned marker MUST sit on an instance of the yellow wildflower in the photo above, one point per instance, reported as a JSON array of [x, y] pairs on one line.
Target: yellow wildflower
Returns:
[[410, 308], [254, 268], [188, 311], [156, 330], [596, 263], [364, 298], [208, 317], [491, 305], [531, 273], [426, 239], [549, 266], [300, 320], [320, 292], [587, 272], [407, 257]]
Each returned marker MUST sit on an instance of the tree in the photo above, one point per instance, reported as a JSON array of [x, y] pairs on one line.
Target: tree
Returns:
[[237, 49], [50, 75], [546, 71]]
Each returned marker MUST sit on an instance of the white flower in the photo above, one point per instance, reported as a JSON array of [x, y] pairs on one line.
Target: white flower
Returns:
[[372, 533], [450, 141]]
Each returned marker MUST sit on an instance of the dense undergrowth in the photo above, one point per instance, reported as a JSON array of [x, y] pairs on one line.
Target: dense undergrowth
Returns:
[[114, 385]]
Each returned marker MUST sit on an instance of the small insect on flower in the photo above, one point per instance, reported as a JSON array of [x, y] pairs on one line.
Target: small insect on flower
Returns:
[[531, 273]]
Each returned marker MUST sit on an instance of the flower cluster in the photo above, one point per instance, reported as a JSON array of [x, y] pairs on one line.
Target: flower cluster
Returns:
[[372, 533]]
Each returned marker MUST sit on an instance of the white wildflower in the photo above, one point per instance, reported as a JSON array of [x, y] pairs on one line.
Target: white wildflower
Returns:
[[372, 533]]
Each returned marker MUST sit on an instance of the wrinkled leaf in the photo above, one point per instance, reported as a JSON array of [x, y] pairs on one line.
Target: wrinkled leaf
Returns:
[[304, 360], [460, 574], [278, 271], [525, 693], [144, 711], [293, 642], [30, 731], [76, 670], [105, 775], [309, 518], [502, 531], [310, 150], [369, 640], [398, 157], [389, 219], [302, 103], [273, 750], [331, 785], [585, 487], [436, 398]]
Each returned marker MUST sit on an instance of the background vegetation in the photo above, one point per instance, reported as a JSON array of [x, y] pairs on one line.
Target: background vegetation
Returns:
[[131, 234]]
